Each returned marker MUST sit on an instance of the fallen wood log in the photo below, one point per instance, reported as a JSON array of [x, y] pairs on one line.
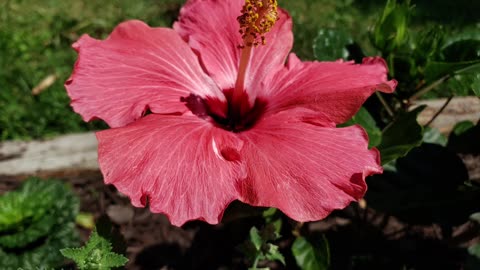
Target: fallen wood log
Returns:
[[459, 109], [75, 151]]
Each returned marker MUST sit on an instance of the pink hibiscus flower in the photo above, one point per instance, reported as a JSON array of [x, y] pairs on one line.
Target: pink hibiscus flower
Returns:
[[227, 118]]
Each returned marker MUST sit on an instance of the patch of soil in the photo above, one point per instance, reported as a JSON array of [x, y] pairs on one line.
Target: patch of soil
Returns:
[[359, 237]]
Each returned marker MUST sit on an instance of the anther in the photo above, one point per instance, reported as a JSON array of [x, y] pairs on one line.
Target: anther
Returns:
[[257, 19]]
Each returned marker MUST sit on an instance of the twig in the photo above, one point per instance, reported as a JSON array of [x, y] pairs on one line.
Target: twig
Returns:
[[385, 105], [436, 83], [428, 88], [439, 111]]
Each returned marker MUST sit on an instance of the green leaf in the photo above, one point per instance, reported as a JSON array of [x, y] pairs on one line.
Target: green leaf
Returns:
[[476, 84], [95, 255], [258, 247], [331, 44], [365, 119], [400, 136], [255, 238], [273, 254], [273, 217], [434, 70], [475, 250], [462, 46], [462, 127], [433, 135], [311, 255], [40, 212], [391, 29], [475, 217]]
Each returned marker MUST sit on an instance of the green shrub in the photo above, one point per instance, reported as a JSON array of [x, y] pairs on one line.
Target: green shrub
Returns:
[[36, 221]]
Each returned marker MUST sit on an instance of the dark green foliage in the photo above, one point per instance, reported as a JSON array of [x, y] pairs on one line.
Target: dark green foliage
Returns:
[[365, 119], [259, 246], [35, 222], [331, 45], [401, 135], [391, 30], [312, 254]]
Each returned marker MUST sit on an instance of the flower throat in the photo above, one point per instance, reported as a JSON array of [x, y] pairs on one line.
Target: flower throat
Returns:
[[258, 17]]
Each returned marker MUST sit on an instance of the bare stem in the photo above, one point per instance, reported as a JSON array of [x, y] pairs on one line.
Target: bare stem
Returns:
[[440, 111], [428, 88], [385, 104]]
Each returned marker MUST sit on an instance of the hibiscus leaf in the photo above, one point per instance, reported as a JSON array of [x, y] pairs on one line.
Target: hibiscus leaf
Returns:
[[462, 46], [462, 127], [476, 85], [436, 69], [433, 135], [391, 29], [311, 255], [331, 44], [475, 250], [475, 217], [400, 136], [365, 119]]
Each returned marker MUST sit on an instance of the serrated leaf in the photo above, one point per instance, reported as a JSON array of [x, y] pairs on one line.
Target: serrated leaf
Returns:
[[401, 136], [255, 238], [40, 212], [365, 119], [273, 254], [95, 255], [115, 260], [331, 44], [311, 256]]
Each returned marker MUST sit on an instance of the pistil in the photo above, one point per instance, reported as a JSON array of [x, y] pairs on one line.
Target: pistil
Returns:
[[257, 19]]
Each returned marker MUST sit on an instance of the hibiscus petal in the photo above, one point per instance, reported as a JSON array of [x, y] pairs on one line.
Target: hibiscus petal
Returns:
[[182, 165], [335, 89], [211, 29], [136, 68], [305, 170]]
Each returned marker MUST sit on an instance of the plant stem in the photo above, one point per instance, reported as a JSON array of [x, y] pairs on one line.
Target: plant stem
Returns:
[[440, 111], [428, 88], [255, 263], [385, 104]]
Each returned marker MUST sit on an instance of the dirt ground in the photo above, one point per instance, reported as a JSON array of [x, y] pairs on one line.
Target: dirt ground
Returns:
[[359, 237]]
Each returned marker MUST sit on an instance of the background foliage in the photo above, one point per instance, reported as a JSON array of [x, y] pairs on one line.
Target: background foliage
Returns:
[[433, 50], [36, 221], [35, 40]]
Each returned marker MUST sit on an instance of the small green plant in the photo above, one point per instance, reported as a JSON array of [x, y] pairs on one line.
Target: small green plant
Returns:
[[97, 254], [35, 222], [258, 248]]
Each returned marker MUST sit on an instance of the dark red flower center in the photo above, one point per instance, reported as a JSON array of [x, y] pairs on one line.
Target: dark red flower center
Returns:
[[232, 116]]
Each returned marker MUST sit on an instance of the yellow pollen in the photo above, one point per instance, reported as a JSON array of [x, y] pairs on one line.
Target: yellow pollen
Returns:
[[257, 19]]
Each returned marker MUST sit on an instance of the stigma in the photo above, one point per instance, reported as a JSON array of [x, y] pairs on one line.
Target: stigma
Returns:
[[258, 17]]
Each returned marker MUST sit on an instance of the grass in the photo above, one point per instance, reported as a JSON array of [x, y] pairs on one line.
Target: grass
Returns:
[[35, 40]]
